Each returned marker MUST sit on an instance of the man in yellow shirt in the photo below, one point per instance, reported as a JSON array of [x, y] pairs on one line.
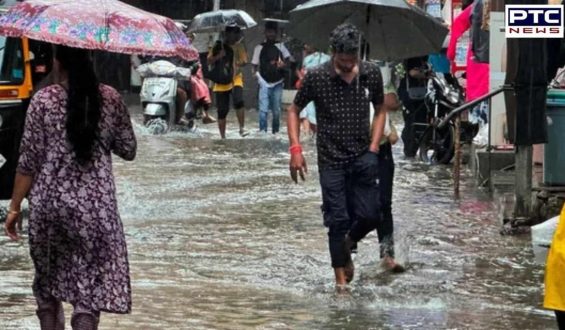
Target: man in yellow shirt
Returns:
[[232, 54]]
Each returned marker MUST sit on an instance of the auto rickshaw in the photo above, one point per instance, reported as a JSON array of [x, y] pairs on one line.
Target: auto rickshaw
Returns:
[[23, 64]]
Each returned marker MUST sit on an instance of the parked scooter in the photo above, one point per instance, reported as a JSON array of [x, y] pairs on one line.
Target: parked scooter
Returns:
[[437, 145], [159, 94]]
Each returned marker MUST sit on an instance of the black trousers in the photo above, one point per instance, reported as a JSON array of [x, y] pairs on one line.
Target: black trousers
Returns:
[[385, 228], [560, 319], [350, 197], [413, 112]]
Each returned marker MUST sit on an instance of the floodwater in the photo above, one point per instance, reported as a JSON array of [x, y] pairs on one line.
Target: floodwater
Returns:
[[220, 238]]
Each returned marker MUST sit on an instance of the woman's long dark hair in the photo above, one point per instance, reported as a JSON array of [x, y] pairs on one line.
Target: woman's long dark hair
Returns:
[[84, 101]]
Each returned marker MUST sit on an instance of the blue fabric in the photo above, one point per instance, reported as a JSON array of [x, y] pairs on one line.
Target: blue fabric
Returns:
[[309, 113], [312, 61], [270, 98], [315, 59], [439, 63]]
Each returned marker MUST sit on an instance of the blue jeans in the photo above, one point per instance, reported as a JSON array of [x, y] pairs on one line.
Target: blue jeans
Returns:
[[270, 99]]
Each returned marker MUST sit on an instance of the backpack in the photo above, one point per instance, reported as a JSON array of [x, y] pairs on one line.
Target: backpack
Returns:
[[269, 53], [221, 72], [415, 92]]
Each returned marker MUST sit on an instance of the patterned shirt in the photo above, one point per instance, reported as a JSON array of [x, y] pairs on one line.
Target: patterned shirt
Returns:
[[342, 111]]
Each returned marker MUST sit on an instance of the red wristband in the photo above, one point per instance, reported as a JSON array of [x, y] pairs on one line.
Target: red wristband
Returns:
[[295, 149]]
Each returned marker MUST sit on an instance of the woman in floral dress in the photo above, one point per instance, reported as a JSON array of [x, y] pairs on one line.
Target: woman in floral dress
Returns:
[[65, 169]]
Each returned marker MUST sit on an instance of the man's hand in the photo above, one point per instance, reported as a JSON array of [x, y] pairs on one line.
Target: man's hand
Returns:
[[374, 148], [298, 166]]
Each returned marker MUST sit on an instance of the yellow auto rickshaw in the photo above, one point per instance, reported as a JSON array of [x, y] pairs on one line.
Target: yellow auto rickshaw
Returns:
[[23, 63]]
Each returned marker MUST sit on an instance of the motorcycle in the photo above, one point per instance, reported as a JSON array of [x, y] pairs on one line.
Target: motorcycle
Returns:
[[159, 94], [437, 145]]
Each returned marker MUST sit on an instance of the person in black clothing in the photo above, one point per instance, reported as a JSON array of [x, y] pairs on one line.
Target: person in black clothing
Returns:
[[385, 227], [560, 316], [348, 146], [412, 91]]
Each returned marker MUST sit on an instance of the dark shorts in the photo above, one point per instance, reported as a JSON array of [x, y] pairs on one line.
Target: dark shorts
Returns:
[[223, 101]]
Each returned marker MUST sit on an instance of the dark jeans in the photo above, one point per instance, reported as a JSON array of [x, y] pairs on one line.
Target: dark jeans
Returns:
[[560, 319], [385, 229], [413, 112], [350, 203]]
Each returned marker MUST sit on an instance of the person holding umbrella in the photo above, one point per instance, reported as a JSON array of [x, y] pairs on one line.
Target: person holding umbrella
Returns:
[[227, 58], [76, 236], [72, 128], [348, 145]]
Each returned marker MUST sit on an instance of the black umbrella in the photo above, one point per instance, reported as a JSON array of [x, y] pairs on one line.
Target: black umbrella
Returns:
[[393, 28]]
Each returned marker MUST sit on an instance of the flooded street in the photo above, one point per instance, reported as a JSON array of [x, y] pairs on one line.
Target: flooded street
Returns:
[[220, 238]]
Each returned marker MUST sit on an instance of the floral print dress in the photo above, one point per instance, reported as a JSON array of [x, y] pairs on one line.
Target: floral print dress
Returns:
[[76, 236]]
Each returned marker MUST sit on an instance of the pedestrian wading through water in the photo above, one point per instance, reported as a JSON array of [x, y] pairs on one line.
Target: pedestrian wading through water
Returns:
[[76, 236], [348, 141]]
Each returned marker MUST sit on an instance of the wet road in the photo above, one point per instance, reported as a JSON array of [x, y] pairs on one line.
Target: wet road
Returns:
[[219, 238]]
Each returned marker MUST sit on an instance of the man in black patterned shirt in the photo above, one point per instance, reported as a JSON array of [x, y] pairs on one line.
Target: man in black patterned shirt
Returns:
[[348, 144]]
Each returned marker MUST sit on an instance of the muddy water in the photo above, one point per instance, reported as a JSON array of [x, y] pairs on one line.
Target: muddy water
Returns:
[[219, 238]]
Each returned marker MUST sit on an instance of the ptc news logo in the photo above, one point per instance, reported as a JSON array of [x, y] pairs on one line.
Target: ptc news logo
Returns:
[[534, 21]]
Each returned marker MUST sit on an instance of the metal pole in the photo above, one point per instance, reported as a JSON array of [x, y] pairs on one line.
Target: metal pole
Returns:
[[457, 162], [489, 146], [497, 5], [216, 5], [523, 195]]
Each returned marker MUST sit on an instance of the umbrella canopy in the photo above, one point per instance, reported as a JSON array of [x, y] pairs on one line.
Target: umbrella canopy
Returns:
[[393, 28], [108, 25], [280, 22], [216, 21]]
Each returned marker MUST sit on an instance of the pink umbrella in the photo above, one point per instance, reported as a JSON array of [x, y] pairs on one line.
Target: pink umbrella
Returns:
[[108, 25]]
